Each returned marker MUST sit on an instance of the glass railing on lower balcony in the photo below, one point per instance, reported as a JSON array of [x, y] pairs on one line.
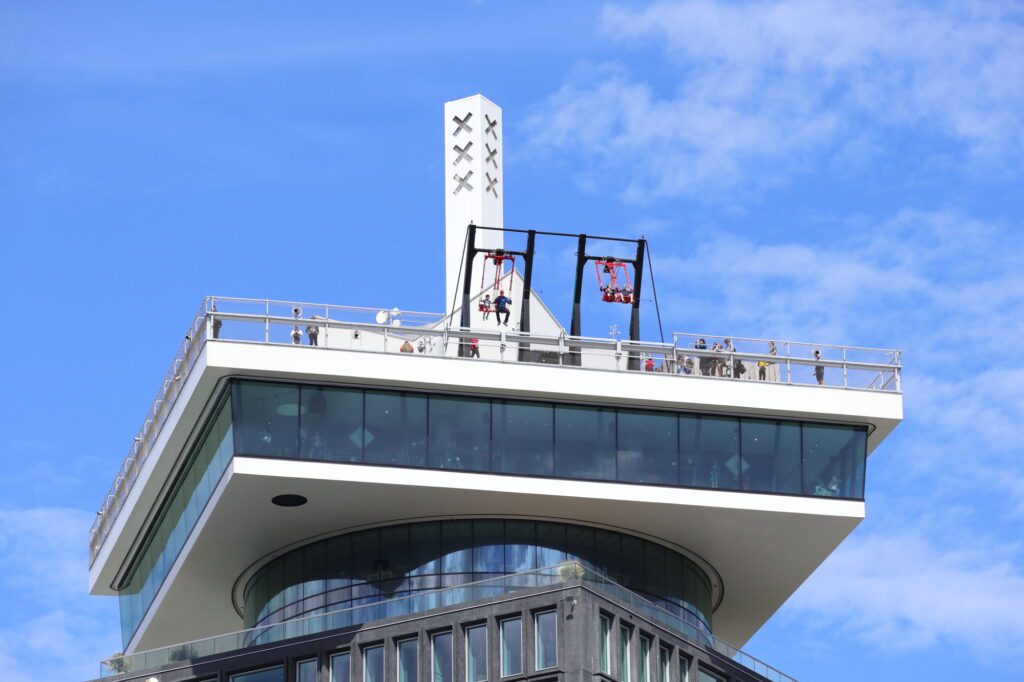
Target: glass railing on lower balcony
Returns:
[[561, 576]]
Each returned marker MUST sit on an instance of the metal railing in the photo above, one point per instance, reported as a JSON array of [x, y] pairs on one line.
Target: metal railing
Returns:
[[264, 321], [561, 576]]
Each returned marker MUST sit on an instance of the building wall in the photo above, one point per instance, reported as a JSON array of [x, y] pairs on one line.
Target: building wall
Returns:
[[577, 610]]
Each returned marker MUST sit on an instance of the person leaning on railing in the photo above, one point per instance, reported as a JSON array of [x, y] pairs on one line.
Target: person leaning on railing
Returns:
[[763, 365]]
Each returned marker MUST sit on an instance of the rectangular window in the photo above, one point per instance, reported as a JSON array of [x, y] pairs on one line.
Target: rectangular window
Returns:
[[441, 657], [373, 664], [305, 671], [833, 459], [395, 428], [341, 667], [585, 442], [523, 437], [331, 424], [476, 653], [546, 637], [664, 664], [511, 647], [275, 674], [624, 654], [606, 645], [648, 447], [684, 669], [459, 433], [645, 658], [266, 419], [408, 660], [718, 453], [708, 676]]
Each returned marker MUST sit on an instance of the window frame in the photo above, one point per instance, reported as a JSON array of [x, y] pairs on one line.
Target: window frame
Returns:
[[451, 653], [466, 630], [605, 622], [646, 646], [399, 642], [383, 660], [347, 655], [625, 662], [501, 646], [536, 638]]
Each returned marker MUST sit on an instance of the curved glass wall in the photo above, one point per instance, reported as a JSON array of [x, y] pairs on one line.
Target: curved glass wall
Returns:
[[208, 459], [530, 438], [383, 563]]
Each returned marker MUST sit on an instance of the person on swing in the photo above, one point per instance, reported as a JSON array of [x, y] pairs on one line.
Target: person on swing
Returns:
[[501, 305]]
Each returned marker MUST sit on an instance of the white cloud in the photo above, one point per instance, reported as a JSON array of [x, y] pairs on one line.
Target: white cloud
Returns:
[[52, 629], [901, 590], [946, 289], [760, 86]]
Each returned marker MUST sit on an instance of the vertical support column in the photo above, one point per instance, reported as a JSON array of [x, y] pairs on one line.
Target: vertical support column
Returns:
[[524, 311], [467, 283], [576, 324], [473, 183], [634, 314]]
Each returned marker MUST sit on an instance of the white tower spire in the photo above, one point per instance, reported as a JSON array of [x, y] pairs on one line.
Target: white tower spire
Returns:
[[473, 184]]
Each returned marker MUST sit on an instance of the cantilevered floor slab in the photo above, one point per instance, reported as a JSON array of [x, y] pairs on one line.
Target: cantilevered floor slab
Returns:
[[764, 546]]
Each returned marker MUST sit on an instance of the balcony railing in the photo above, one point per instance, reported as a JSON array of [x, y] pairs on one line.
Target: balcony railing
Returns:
[[372, 330], [562, 576]]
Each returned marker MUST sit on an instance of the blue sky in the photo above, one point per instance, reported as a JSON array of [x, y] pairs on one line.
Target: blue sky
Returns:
[[812, 170]]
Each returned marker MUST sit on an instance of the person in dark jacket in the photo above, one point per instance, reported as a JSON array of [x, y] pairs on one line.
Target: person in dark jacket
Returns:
[[501, 305]]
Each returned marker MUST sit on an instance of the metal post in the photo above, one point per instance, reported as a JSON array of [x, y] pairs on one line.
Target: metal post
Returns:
[[789, 366], [464, 321], [577, 295], [266, 324], [634, 315], [844, 367], [524, 312]]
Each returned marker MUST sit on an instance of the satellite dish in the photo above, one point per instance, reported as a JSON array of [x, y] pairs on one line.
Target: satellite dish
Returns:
[[382, 317], [395, 312]]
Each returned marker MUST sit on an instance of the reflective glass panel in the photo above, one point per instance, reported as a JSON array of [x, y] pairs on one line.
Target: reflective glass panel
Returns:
[[718, 453], [331, 424], [396, 428], [476, 653], [511, 646], [408, 660], [834, 460], [373, 664], [341, 667], [771, 455], [664, 664], [645, 658], [266, 419], [585, 442], [648, 447], [624, 667], [708, 676], [441, 657], [459, 433], [546, 637], [523, 435], [537, 438], [605, 645], [266, 675], [305, 671]]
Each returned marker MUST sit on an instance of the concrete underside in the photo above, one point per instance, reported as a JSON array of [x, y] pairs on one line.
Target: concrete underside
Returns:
[[762, 546]]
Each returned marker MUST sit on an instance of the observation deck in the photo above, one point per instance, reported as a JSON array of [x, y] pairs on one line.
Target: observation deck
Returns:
[[758, 474]]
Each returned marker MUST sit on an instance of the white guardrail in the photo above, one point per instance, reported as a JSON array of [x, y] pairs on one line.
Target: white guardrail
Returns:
[[692, 356]]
